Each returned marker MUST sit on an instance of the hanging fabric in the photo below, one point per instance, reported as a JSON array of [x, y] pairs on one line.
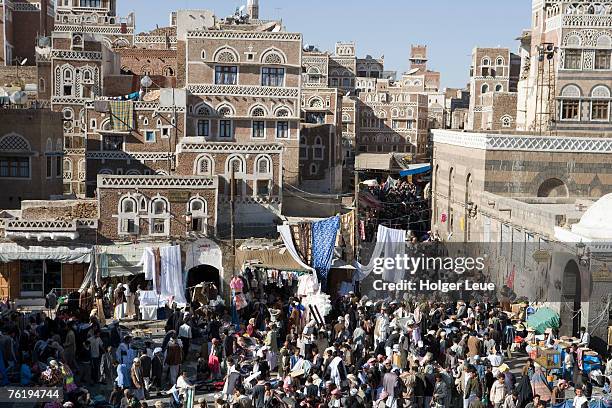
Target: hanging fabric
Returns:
[[172, 274], [92, 275], [150, 263], [323, 242], [122, 115], [347, 231], [390, 242], [157, 275], [285, 233]]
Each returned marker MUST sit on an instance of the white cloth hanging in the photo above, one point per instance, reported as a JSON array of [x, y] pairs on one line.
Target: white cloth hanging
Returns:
[[285, 233], [394, 246], [147, 261], [308, 285], [390, 242], [172, 274]]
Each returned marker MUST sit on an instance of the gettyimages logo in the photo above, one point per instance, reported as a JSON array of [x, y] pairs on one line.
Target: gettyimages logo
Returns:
[[414, 264]]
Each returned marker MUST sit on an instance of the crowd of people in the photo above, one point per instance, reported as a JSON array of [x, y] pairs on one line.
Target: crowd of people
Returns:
[[402, 206], [416, 354]]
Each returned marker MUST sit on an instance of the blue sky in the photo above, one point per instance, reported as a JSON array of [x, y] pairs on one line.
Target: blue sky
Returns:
[[450, 28]]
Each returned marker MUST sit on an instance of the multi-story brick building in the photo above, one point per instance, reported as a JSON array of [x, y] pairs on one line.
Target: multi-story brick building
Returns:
[[97, 18], [493, 84], [31, 152], [23, 21], [392, 118], [243, 82], [566, 67]]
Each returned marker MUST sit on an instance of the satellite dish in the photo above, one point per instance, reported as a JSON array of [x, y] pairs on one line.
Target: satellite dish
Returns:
[[146, 82], [19, 98], [23, 62], [412, 71]]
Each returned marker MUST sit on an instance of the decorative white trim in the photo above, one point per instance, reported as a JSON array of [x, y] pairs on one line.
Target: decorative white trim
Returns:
[[164, 182], [557, 144], [187, 146], [41, 225], [243, 90], [77, 55], [94, 29], [121, 155], [245, 35]]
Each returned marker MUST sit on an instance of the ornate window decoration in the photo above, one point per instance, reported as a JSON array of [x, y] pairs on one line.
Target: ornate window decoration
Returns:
[[571, 91], [236, 162], [604, 41], [263, 165], [128, 216], [203, 110], [282, 112], [573, 40], [394, 113], [273, 57], [14, 142], [49, 145], [486, 61], [204, 166], [499, 61], [132, 172], [105, 171], [198, 209], [226, 55], [159, 216], [225, 110], [258, 111], [506, 121], [600, 103], [315, 103], [59, 145]]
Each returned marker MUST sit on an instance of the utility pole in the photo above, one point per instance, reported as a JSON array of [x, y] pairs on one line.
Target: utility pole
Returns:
[[356, 243], [232, 234]]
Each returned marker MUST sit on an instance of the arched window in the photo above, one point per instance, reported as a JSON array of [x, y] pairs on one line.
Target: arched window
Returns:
[[105, 172], [128, 216], [237, 163], [128, 206], [41, 85], [314, 169], [132, 172], [572, 91], [225, 110], [49, 145], [158, 206], [67, 168], [282, 113], [159, 215], [486, 61], [315, 103], [203, 54], [600, 103], [226, 55], [258, 111], [506, 121], [484, 88], [204, 166], [499, 61], [317, 149], [499, 88], [263, 165], [168, 71], [197, 207]]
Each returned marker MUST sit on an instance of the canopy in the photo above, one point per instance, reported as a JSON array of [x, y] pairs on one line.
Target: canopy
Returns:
[[416, 169], [11, 251], [543, 319]]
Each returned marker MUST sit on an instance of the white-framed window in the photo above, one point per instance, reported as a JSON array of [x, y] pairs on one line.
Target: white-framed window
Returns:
[[263, 165], [272, 76], [128, 216], [314, 169], [226, 128], [203, 127], [499, 88], [204, 166], [484, 88], [258, 129], [282, 129], [149, 136], [159, 216], [600, 103], [93, 124], [199, 214]]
